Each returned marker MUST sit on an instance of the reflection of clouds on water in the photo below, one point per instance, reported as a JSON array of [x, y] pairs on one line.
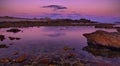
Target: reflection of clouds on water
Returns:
[[66, 28], [56, 34]]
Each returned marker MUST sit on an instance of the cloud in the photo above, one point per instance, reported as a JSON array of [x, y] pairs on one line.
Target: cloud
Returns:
[[55, 7]]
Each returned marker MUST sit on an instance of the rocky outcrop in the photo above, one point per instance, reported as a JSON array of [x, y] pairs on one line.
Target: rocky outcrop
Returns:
[[102, 38]]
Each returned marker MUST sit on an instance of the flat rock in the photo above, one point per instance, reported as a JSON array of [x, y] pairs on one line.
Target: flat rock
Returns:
[[104, 39]]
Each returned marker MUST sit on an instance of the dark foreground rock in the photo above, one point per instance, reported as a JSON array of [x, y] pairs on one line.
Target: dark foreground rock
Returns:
[[14, 30], [2, 37], [105, 39]]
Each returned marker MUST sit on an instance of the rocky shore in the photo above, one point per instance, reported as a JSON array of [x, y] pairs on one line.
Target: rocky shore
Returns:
[[100, 38]]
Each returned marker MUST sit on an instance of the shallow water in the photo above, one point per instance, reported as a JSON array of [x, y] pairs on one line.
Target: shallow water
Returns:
[[50, 40]]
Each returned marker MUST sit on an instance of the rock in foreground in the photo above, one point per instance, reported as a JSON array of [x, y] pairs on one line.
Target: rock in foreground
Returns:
[[102, 38]]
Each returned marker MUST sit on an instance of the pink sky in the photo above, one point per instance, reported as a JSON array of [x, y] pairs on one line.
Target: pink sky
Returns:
[[83, 7]]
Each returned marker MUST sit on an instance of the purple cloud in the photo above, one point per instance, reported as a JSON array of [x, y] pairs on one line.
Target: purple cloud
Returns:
[[55, 7]]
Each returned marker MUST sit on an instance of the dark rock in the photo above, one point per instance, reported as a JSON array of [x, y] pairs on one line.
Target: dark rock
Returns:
[[13, 38], [2, 37], [118, 30], [3, 46], [71, 55], [104, 25], [45, 60], [66, 64], [66, 48], [14, 30], [105, 39], [20, 59]]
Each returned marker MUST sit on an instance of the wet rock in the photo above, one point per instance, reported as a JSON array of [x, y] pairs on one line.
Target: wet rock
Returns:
[[3, 46], [16, 53], [71, 55], [66, 64], [14, 30], [45, 60], [66, 48], [13, 38], [18, 38], [78, 64], [2, 37], [103, 64], [118, 30], [5, 60], [105, 39], [20, 59]]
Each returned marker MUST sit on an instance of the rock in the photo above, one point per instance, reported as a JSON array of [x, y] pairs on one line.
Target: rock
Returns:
[[13, 38], [18, 38], [105, 39], [45, 60], [66, 48], [66, 64], [118, 30], [14, 30], [3, 46], [5, 60], [71, 55], [20, 59], [2, 37], [16, 53]]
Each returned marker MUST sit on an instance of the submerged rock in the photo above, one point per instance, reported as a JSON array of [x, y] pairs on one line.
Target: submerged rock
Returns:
[[2, 37], [14, 30], [105, 39], [20, 59], [3, 46]]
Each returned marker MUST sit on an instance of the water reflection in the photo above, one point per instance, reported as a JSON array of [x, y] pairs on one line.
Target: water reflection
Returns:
[[56, 34], [47, 40], [104, 52]]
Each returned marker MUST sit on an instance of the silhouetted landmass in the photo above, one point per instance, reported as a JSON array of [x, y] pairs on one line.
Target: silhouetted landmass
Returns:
[[53, 22]]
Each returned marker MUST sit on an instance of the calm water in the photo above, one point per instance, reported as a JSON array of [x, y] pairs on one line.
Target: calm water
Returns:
[[50, 40]]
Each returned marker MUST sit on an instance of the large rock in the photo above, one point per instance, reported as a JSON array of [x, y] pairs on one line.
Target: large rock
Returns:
[[102, 38]]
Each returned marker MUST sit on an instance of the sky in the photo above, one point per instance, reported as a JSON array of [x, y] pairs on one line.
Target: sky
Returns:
[[101, 10]]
